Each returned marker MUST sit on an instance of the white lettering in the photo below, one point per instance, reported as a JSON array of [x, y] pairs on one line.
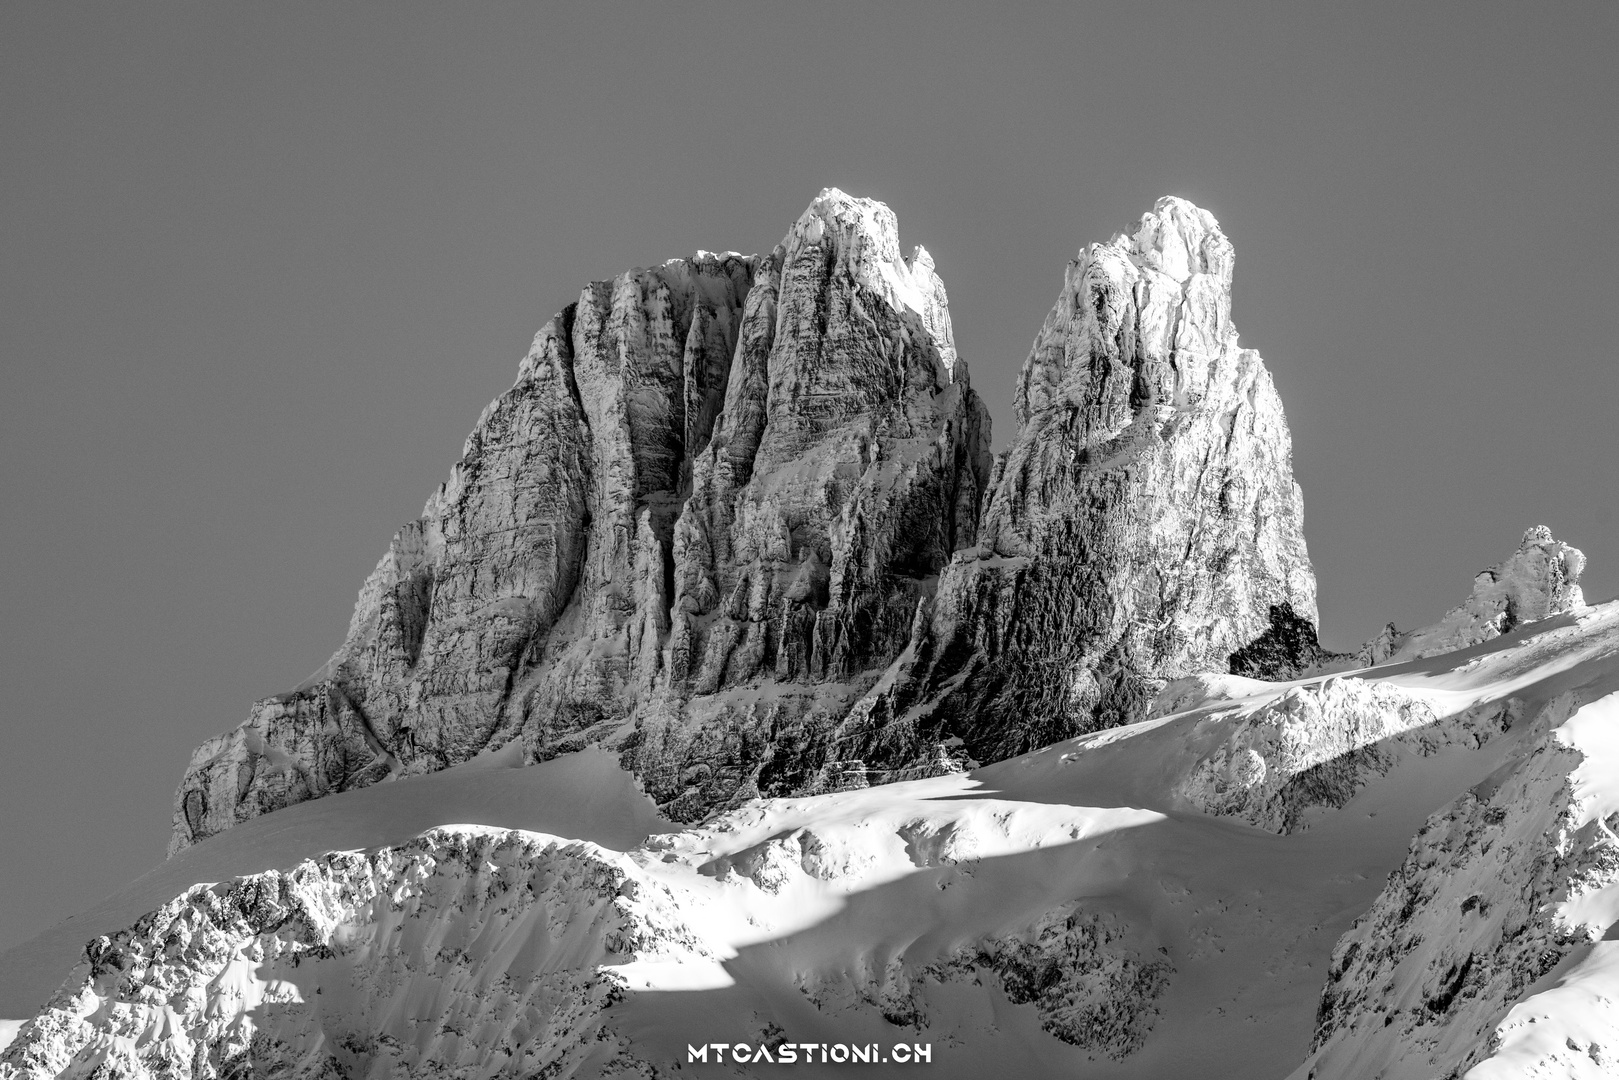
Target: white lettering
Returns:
[[793, 1053]]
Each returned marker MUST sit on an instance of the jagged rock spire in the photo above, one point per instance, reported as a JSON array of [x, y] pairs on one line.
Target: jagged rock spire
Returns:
[[1142, 524], [738, 520]]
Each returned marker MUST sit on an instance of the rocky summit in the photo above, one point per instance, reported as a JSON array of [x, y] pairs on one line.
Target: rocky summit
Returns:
[[738, 521], [1143, 525], [1030, 763]]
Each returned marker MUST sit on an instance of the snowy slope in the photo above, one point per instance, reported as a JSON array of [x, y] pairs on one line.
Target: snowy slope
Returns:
[[1165, 899], [584, 795], [1487, 953]]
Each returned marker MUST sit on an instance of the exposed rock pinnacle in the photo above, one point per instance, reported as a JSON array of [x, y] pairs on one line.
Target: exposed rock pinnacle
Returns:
[[738, 520]]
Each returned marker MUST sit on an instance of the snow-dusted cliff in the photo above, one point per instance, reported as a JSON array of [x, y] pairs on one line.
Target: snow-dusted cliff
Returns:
[[736, 530], [1104, 906], [738, 521], [1487, 953], [1143, 525]]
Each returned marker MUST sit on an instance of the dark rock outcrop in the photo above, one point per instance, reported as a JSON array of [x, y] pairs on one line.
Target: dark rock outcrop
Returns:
[[1289, 649]]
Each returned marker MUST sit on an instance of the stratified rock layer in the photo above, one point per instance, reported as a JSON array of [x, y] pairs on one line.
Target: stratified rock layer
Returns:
[[738, 520], [565, 492], [705, 513]]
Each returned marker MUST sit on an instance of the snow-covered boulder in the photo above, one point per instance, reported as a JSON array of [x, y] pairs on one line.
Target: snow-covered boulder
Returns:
[[1539, 580]]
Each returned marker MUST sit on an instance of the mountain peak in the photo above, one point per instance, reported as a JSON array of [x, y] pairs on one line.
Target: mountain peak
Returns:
[[1181, 239], [726, 481], [862, 236], [1149, 485], [737, 530]]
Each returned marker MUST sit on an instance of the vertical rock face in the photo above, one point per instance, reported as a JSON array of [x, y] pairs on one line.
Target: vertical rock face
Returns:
[[559, 513], [845, 469], [738, 520], [1143, 523], [706, 511]]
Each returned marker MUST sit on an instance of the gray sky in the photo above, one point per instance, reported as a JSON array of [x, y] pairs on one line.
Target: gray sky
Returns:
[[262, 266]]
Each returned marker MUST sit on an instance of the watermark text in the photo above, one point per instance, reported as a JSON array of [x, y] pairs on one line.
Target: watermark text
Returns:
[[791, 1053]]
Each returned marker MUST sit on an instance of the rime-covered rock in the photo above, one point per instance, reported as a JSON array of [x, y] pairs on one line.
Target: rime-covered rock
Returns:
[[483, 952], [465, 952], [1142, 526], [1454, 968], [1539, 580], [1316, 746]]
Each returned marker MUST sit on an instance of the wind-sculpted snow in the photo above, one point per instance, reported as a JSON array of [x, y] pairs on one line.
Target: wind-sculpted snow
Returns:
[[737, 520], [468, 951], [1072, 911], [1315, 747], [1091, 982], [1486, 954], [478, 951], [1279, 761]]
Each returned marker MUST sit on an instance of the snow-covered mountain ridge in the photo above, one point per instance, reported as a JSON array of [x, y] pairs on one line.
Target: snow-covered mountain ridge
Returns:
[[662, 727], [1082, 908]]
